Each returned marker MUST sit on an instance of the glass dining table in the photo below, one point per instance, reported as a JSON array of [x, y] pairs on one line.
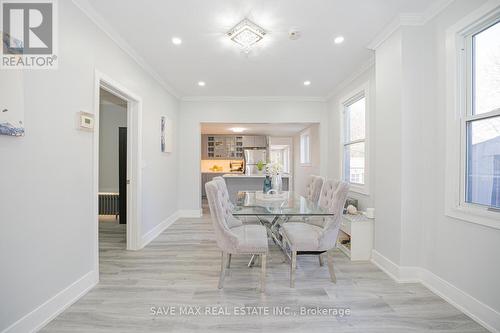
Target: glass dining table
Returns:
[[273, 211]]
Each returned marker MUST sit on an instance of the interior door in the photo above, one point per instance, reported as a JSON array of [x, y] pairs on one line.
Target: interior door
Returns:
[[122, 172]]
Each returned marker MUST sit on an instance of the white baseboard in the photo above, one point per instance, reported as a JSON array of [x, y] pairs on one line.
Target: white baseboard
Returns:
[[480, 312], [483, 314], [156, 231], [190, 213], [42, 315], [401, 274]]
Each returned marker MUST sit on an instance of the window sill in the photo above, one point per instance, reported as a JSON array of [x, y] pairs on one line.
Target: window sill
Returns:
[[476, 215], [358, 189]]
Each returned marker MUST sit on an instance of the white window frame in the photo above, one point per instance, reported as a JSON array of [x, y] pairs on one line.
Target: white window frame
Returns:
[[459, 112], [285, 150], [305, 157], [355, 95]]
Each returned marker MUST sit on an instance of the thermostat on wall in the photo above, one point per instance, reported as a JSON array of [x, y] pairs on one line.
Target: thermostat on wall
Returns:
[[86, 121]]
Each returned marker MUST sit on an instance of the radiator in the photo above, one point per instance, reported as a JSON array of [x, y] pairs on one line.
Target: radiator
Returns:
[[109, 203]]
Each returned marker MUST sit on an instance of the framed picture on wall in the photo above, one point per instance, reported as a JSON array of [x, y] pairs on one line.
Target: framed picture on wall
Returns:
[[12, 103], [166, 143]]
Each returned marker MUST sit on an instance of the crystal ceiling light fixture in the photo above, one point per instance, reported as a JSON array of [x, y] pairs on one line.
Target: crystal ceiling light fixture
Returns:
[[246, 34]]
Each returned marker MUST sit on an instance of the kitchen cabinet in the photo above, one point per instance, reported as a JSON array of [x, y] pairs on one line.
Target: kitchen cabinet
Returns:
[[252, 141], [221, 147]]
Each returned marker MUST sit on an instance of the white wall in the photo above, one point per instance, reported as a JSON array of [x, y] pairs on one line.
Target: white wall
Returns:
[[192, 113], [448, 251], [411, 228], [111, 117], [302, 172], [46, 230]]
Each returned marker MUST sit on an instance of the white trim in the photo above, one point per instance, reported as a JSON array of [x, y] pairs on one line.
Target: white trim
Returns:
[[134, 160], [43, 314], [456, 110], [482, 313], [369, 65], [399, 274], [253, 99], [365, 90], [190, 213], [95, 17], [160, 228], [408, 19]]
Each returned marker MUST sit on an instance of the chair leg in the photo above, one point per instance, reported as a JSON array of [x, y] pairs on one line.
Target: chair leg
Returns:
[[229, 260], [330, 266], [293, 265], [320, 258], [222, 270], [263, 258]]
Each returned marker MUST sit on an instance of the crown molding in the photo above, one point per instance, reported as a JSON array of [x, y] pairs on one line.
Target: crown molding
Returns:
[[409, 19], [92, 14], [253, 99], [370, 64]]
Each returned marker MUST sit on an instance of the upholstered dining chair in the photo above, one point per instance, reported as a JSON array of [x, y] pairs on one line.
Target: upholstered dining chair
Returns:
[[313, 188], [221, 183], [232, 237], [306, 238]]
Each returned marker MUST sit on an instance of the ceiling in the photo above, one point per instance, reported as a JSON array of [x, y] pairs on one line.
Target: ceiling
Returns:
[[276, 130], [277, 66]]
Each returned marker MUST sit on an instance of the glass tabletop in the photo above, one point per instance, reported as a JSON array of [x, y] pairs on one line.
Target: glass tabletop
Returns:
[[283, 204]]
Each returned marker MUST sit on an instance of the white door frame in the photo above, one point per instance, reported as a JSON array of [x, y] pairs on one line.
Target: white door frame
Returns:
[[134, 158]]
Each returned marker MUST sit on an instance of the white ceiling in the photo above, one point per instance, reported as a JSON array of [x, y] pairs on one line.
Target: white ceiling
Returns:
[[277, 129], [277, 67]]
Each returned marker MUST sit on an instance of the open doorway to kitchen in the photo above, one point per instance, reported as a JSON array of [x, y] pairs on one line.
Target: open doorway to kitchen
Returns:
[[239, 152]]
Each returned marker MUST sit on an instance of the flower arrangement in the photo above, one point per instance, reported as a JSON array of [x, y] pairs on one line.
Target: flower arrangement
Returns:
[[274, 169]]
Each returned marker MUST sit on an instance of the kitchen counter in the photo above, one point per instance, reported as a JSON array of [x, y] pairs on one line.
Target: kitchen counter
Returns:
[[241, 182], [242, 175], [236, 173]]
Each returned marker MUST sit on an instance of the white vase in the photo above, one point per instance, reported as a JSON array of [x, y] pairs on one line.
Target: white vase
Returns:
[[276, 183]]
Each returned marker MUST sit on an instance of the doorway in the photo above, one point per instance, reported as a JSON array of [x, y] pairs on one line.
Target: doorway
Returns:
[[123, 178]]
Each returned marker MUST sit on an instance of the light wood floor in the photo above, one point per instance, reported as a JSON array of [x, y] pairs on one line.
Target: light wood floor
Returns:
[[181, 268]]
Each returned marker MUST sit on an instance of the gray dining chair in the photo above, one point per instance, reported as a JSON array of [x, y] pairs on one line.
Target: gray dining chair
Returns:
[[313, 188], [232, 237], [306, 238], [221, 183]]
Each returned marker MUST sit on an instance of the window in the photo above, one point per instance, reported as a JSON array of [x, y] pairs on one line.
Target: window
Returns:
[[473, 117], [281, 154], [305, 151], [481, 122], [354, 140]]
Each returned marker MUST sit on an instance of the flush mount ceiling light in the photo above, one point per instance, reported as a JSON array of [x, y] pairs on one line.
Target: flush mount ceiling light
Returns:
[[307, 83], [237, 129], [246, 33], [201, 83]]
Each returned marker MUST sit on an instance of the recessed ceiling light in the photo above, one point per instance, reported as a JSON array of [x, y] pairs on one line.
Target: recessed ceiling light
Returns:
[[237, 129], [307, 83], [338, 39], [176, 41], [201, 83]]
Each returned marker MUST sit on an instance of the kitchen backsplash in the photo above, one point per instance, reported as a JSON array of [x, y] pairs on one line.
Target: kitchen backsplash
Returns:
[[217, 165]]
